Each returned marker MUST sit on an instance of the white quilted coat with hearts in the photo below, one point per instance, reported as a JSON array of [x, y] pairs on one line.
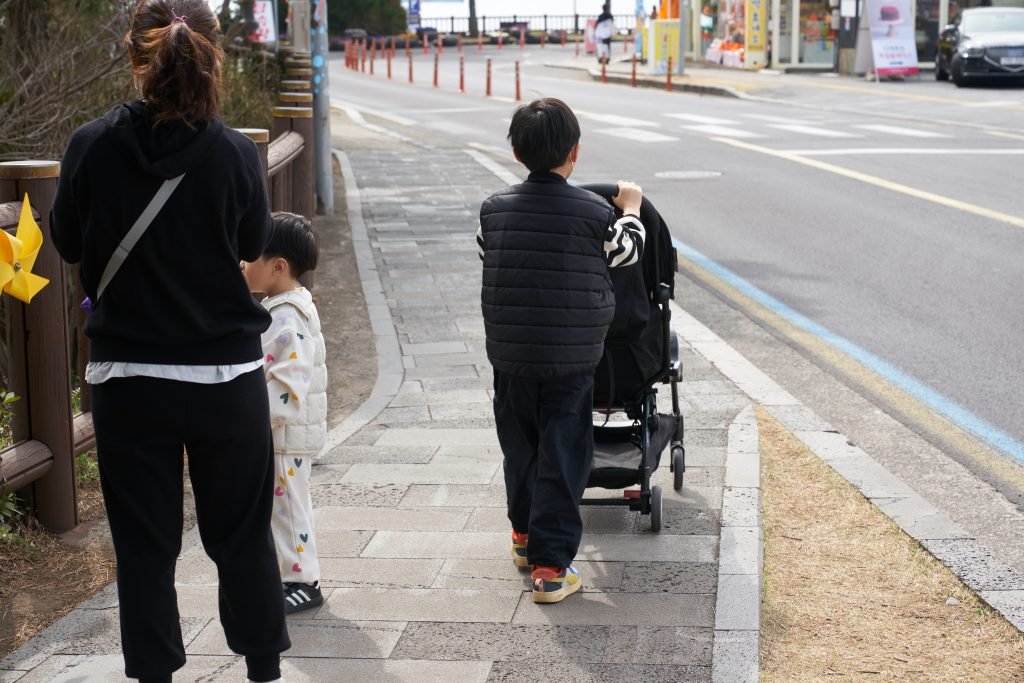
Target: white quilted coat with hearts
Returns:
[[296, 370]]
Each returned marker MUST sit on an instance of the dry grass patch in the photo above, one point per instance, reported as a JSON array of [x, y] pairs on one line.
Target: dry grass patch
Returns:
[[42, 577], [849, 595]]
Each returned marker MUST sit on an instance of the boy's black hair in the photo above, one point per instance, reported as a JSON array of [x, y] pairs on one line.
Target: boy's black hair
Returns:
[[543, 133], [293, 239]]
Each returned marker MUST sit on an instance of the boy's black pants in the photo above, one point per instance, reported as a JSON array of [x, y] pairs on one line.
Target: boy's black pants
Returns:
[[143, 425], [545, 428]]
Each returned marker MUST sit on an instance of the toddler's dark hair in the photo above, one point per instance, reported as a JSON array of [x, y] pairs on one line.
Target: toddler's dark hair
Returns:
[[543, 133], [293, 239]]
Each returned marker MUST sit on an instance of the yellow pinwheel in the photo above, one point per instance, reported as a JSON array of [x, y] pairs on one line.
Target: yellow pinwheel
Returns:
[[18, 256]]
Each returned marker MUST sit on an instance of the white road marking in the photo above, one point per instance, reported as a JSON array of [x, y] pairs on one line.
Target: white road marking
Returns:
[[900, 130], [636, 135], [900, 151], [455, 110], [993, 103], [722, 131], [394, 118], [614, 119], [777, 119], [697, 118], [812, 130]]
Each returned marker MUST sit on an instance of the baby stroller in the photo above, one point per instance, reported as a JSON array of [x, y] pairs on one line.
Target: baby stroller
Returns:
[[640, 352]]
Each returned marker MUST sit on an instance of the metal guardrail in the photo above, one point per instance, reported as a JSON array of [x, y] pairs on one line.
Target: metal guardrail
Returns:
[[40, 463], [572, 23]]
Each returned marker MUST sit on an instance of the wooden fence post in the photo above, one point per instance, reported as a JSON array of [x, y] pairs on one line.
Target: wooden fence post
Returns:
[[47, 350], [261, 136], [300, 120]]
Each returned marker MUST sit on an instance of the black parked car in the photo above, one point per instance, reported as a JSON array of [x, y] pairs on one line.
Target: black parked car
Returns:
[[985, 42]]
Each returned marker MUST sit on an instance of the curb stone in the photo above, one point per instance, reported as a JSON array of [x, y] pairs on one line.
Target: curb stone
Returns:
[[741, 558]]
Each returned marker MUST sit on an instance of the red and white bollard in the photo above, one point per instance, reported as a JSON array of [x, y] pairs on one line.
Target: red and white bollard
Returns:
[[458, 45], [436, 59], [625, 46], [668, 76], [604, 75], [542, 36], [480, 41], [440, 45], [488, 77], [633, 79], [462, 74], [501, 43], [426, 44], [410, 69], [389, 64], [392, 51], [373, 55], [522, 38], [518, 96], [563, 38], [577, 46], [408, 52]]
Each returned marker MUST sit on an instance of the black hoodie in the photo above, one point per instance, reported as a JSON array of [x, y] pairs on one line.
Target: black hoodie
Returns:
[[180, 297]]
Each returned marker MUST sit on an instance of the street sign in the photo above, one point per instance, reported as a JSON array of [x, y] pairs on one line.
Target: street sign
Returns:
[[266, 25], [756, 34]]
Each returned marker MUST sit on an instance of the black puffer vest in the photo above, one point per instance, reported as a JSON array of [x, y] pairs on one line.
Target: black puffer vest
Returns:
[[547, 297]]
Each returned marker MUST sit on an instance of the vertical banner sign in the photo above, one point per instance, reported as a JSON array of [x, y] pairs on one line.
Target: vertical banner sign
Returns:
[[414, 15], [638, 35], [662, 42], [589, 42], [266, 23], [756, 34], [892, 37]]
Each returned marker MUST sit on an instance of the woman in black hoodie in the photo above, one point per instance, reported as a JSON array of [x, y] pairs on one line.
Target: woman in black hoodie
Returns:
[[176, 356]]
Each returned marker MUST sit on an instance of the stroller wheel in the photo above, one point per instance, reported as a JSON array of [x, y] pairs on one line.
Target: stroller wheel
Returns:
[[678, 467], [655, 508]]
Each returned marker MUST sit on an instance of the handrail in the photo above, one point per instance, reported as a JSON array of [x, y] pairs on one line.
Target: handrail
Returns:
[[283, 151]]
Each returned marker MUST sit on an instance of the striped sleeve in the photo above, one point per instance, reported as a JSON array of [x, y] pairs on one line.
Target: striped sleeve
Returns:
[[480, 242], [624, 242]]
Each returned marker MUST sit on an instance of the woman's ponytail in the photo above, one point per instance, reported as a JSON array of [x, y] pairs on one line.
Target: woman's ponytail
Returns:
[[176, 58]]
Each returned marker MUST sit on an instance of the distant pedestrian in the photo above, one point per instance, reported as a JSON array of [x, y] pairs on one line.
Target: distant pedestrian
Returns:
[[295, 366], [604, 30], [547, 304], [176, 360], [654, 13]]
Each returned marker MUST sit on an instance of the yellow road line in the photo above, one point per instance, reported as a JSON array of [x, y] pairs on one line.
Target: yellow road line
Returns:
[[991, 214], [861, 379]]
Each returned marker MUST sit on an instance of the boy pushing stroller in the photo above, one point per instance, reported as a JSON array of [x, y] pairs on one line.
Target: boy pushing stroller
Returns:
[[547, 303]]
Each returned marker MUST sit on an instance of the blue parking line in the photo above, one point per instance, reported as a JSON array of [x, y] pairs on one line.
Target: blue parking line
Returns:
[[955, 413]]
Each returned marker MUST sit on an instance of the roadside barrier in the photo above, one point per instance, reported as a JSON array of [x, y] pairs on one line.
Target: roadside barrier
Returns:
[[604, 74], [480, 41], [563, 38], [522, 39], [518, 96], [408, 52], [488, 77], [436, 59], [389, 63], [410, 69], [633, 77], [501, 42], [668, 76], [440, 45], [458, 44], [462, 74], [542, 40]]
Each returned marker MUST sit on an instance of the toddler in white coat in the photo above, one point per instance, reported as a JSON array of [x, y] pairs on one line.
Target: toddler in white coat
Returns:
[[296, 371]]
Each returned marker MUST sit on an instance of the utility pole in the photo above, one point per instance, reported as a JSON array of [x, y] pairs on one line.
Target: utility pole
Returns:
[[472, 19], [322, 109]]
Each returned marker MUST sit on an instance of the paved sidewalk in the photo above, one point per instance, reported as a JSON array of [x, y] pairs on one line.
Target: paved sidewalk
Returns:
[[410, 507]]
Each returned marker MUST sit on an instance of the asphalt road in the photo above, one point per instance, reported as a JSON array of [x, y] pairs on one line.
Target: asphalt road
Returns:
[[891, 215]]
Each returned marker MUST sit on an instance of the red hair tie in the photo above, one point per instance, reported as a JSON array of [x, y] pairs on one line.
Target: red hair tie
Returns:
[[176, 18]]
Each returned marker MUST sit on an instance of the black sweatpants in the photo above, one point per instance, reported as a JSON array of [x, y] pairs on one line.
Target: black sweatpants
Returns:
[[546, 432], [143, 425]]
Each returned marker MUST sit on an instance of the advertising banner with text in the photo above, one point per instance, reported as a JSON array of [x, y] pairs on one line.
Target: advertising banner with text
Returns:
[[892, 37]]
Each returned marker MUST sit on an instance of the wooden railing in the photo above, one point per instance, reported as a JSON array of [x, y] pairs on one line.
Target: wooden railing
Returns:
[[46, 349]]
